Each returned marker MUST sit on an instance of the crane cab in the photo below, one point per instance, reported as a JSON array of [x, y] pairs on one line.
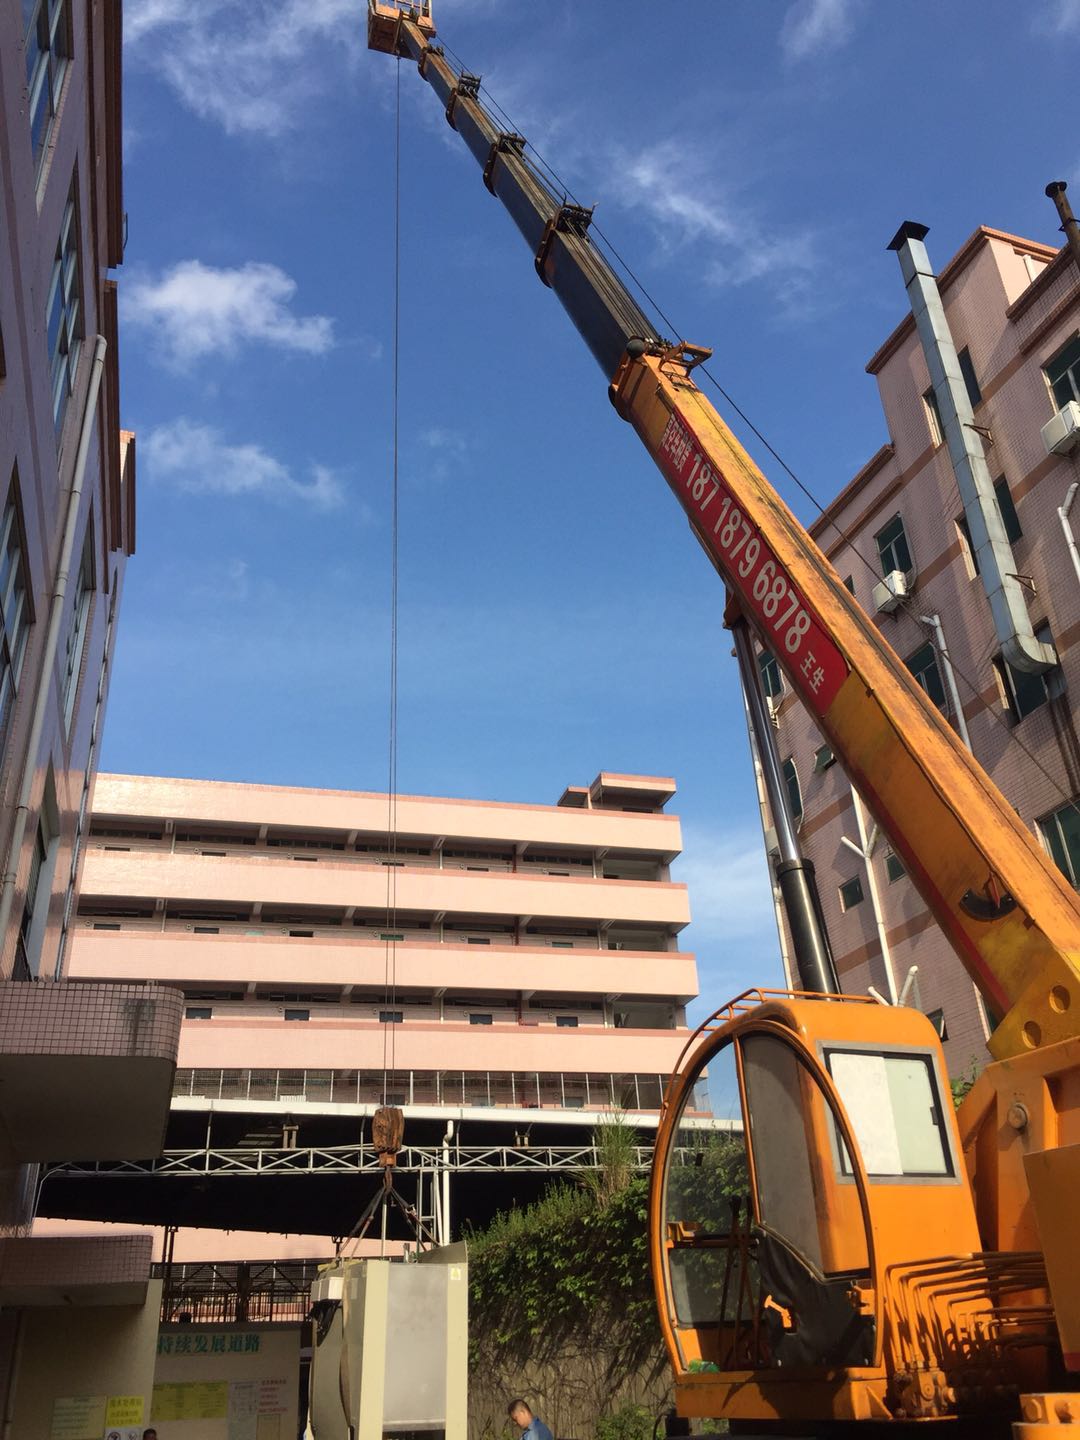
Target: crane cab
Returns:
[[384, 19], [814, 1240]]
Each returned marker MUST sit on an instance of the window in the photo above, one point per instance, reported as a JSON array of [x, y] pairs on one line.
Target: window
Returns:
[[199, 1012], [772, 682], [297, 1014], [895, 1111], [933, 416], [48, 50], [478, 939], [1063, 373], [1022, 692], [106, 925], [851, 893], [791, 780], [937, 1020], [849, 583], [892, 547], [79, 614], [63, 313], [479, 1019], [207, 929], [1060, 834], [1009, 519], [894, 867], [14, 611], [391, 1017], [971, 383], [566, 1022], [391, 936], [823, 758], [923, 665]]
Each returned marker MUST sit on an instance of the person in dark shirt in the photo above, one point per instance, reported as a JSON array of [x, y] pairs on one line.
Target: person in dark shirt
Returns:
[[530, 1425]]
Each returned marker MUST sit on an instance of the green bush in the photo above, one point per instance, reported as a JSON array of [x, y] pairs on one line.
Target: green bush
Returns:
[[631, 1422]]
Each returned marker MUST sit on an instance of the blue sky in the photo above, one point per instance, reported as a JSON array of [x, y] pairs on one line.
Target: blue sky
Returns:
[[749, 158]]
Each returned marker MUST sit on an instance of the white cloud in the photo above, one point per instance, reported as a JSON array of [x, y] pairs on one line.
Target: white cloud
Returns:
[[728, 878], [812, 27], [676, 187], [198, 459], [194, 310], [1060, 17], [251, 66]]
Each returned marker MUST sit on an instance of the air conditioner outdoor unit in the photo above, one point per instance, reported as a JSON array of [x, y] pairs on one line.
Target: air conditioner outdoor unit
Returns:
[[1062, 433], [889, 592]]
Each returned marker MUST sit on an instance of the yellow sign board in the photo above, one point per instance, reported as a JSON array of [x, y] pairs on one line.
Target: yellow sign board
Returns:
[[191, 1400], [125, 1410]]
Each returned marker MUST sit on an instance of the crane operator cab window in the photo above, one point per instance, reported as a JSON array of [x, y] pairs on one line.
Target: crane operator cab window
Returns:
[[893, 1104], [765, 1244]]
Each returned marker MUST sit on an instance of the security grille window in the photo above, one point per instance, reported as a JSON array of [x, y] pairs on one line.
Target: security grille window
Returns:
[[894, 867], [1060, 834], [63, 313], [791, 780], [14, 613], [851, 893], [772, 682], [1063, 373], [892, 546], [77, 626], [971, 383], [933, 416], [924, 666], [823, 758], [1023, 692], [48, 51]]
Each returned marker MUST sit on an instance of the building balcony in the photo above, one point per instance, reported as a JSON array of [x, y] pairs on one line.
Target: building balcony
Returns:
[[266, 878], [281, 961], [291, 1090], [40, 1270], [85, 1070], [349, 1044]]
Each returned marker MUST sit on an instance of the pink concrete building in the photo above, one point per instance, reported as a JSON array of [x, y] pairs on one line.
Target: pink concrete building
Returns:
[[512, 968], [1013, 308], [83, 1070]]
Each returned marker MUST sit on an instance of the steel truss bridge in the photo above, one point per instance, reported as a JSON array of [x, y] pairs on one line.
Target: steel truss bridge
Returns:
[[357, 1159]]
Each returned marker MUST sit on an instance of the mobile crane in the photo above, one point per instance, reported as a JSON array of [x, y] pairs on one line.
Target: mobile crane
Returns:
[[895, 1263]]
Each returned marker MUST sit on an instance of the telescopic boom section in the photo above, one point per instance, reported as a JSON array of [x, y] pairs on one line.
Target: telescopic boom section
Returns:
[[1009, 914]]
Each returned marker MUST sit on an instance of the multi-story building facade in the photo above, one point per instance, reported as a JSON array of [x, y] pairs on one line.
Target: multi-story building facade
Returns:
[[509, 971], [1013, 309], [68, 1057]]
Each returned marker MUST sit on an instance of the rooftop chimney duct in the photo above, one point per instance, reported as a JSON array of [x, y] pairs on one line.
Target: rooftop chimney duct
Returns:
[[1069, 223]]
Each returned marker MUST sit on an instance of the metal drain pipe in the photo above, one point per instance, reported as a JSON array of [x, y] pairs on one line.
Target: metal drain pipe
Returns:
[[997, 568]]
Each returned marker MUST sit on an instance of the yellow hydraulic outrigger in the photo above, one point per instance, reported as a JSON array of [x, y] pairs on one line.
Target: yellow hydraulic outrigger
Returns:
[[893, 1262]]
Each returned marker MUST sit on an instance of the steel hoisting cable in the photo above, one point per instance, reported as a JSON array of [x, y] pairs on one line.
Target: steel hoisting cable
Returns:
[[390, 958]]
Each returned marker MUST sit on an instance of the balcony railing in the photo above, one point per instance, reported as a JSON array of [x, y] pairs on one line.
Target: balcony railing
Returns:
[[227, 1294], [528, 1090]]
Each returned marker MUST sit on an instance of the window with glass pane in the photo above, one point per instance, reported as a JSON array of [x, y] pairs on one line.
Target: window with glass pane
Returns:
[[772, 681], [894, 867], [48, 51], [895, 1111], [1063, 373], [63, 313], [1009, 517], [893, 548], [823, 758], [924, 666], [933, 416], [791, 780], [1025, 692], [851, 893], [14, 613], [971, 383], [1061, 835], [79, 603]]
